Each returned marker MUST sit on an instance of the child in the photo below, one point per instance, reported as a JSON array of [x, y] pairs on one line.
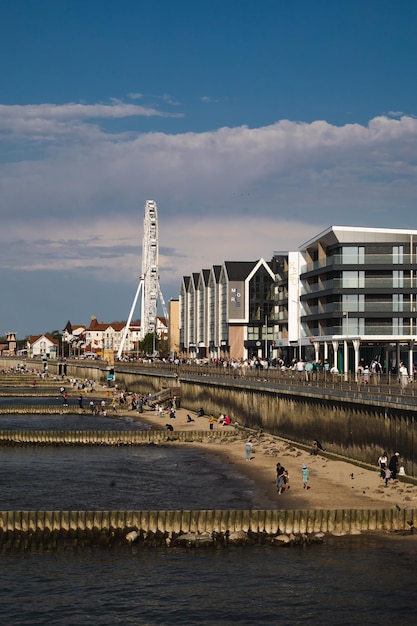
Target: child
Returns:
[[387, 475], [286, 479], [305, 472]]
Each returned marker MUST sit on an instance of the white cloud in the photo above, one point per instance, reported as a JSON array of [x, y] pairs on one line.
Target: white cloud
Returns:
[[208, 100], [169, 100], [48, 121], [110, 250], [280, 168], [230, 194]]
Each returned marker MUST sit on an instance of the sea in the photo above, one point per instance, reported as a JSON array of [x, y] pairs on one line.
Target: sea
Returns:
[[362, 579]]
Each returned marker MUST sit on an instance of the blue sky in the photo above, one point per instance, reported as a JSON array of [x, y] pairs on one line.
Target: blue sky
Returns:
[[254, 126]]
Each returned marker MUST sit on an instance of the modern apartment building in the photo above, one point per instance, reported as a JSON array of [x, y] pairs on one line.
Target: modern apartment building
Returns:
[[349, 295]]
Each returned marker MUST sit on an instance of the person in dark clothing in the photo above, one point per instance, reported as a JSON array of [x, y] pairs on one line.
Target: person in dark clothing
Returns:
[[316, 447], [393, 465], [280, 479]]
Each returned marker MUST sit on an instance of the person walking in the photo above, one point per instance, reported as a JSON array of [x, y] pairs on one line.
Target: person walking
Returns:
[[280, 480], [211, 422], [305, 472], [248, 449], [383, 463], [393, 465]]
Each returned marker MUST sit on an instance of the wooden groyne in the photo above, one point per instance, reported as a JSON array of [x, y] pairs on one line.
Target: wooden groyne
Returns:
[[104, 437], [25, 529], [27, 409]]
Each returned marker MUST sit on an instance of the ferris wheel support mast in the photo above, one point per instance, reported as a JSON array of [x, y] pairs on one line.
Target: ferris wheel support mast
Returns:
[[149, 280]]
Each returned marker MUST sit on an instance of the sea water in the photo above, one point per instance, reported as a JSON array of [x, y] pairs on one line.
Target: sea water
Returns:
[[354, 580], [367, 579]]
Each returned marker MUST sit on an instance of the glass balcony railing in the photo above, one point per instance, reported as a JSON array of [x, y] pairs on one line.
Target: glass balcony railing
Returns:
[[387, 282], [354, 259], [375, 330], [367, 307]]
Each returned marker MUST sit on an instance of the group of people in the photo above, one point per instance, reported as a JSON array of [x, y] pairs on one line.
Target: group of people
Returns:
[[224, 420], [388, 470], [282, 479]]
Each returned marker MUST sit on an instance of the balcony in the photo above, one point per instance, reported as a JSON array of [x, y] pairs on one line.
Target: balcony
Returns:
[[386, 282], [354, 259], [363, 307], [368, 331]]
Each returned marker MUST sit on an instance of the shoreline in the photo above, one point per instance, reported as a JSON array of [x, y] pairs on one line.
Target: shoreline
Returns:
[[332, 484]]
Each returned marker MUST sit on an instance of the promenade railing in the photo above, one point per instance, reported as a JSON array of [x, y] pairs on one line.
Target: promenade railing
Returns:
[[381, 384]]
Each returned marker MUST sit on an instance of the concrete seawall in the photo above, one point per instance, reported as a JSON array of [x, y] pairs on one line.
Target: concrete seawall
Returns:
[[23, 529], [351, 427]]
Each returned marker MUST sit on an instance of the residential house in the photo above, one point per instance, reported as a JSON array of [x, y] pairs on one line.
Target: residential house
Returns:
[[42, 346]]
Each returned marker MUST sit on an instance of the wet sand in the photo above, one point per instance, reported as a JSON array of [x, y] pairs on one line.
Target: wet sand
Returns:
[[333, 484]]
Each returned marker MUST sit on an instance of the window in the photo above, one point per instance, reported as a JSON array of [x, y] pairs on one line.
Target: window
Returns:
[[354, 302], [353, 279], [353, 255], [397, 301], [397, 278], [397, 326], [353, 326], [398, 254]]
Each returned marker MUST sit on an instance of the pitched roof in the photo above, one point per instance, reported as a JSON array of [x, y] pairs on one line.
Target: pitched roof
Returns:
[[34, 338], [239, 270]]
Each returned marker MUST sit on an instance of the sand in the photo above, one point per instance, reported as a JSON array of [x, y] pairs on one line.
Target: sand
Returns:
[[333, 484]]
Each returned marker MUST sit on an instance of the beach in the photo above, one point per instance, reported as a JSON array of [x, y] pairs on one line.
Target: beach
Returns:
[[332, 484]]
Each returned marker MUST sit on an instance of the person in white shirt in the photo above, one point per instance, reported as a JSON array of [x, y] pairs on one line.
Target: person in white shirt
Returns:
[[383, 463], [403, 372]]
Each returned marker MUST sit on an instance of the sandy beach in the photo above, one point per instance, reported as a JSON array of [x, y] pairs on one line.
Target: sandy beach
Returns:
[[333, 484]]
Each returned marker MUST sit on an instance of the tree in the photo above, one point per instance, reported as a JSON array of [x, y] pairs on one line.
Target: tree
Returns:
[[57, 335], [149, 343]]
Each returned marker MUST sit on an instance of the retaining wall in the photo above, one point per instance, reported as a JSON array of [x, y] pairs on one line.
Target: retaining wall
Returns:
[[348, 426]]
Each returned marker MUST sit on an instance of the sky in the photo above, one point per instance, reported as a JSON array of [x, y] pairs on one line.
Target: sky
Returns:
[[254, 126]]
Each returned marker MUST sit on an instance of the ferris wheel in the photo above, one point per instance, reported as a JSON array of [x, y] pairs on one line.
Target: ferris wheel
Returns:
[[149, 278]]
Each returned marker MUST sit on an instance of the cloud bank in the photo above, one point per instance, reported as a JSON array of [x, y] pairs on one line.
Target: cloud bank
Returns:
[[73, 188]]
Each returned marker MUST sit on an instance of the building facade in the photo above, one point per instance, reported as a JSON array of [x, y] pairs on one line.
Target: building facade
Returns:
[[227, 311], [349, 295]]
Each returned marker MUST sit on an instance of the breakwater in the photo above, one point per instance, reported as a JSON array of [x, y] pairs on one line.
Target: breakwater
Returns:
[[104, 438], [24, 529]]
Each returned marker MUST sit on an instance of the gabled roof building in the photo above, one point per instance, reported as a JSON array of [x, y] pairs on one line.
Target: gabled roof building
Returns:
[[227, 311]]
